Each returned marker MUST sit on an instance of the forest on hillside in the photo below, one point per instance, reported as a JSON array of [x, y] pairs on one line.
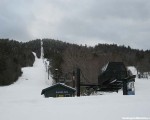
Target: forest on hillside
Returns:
[[13, 56], [66, 57]]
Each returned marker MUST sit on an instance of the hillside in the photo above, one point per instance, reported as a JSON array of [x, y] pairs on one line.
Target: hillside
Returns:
[[67, 57], [13, 56], [23, 100]]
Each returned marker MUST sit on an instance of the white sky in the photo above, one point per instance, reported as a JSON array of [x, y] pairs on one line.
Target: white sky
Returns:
[[78, 21]]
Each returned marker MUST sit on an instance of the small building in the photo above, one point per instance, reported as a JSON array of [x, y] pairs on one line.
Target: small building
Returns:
[[59, 90]]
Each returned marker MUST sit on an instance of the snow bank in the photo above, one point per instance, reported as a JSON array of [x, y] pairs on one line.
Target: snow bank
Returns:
[[23, 101]]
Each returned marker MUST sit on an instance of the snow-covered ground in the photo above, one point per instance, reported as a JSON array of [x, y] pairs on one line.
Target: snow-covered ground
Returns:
[[23, 101]]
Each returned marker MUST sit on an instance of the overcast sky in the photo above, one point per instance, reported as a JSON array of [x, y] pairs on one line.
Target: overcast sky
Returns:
[[123, 22]]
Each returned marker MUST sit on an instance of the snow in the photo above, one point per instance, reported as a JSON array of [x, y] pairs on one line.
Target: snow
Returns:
[[23, 101], [29, 84], [132, 69]]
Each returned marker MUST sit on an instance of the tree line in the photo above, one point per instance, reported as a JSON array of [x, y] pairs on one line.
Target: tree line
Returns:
[[13, 56], [67, 57]]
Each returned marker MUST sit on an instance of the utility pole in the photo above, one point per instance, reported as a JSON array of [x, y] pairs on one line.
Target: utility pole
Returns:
[[78, 82], [73, 79], [48, 71], [56, 72], [125, 89]]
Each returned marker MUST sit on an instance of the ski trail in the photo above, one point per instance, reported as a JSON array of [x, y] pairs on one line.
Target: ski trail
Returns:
[[30, 84]]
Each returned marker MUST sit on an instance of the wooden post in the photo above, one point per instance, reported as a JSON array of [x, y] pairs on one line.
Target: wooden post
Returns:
[[73, 79], [48, 70], [78, 82], [48, 74], [56, 73], [125, 91]]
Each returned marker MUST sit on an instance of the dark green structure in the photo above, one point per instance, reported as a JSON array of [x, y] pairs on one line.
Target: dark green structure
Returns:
[[59, 90]]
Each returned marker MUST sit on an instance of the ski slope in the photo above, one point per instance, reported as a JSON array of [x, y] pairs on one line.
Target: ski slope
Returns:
[[23, 101], [29, 84]]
